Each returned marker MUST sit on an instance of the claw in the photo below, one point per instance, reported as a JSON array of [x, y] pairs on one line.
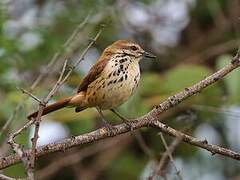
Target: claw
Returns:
[[128, 124], [110, 129], [124, 120]]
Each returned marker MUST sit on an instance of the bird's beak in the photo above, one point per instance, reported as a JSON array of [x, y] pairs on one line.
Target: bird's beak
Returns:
[[148, 55]]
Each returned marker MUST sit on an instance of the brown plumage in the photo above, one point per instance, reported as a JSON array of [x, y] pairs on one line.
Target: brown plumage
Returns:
[[52, 107], [109, 82], [93, 74]]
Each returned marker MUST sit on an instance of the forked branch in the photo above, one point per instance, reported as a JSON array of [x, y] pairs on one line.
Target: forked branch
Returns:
[[150, 119]]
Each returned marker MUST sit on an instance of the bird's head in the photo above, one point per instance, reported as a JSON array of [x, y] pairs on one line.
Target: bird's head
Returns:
[[129, 48]]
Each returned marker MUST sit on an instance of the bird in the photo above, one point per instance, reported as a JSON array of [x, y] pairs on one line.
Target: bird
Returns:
[[109, 83]]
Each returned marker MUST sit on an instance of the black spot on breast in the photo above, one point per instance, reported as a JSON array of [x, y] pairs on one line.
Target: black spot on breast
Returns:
[[110, 75], [114, 73], [119, 71], [115, 64], [123, 60], [110, 82], [121, 66], [126, 76], [115, 81], [135, 78], [121, 79]]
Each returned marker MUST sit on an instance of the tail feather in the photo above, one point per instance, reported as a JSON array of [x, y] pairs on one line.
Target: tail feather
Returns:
[[53, 107]]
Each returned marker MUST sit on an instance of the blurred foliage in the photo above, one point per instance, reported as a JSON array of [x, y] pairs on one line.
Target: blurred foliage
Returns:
[[233, 88], [207, 25]]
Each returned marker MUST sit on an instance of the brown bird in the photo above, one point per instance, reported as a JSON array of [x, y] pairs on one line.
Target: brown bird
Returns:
[[110, 81]]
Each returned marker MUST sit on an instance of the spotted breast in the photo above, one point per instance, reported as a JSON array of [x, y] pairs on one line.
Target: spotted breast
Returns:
[[119, 80]]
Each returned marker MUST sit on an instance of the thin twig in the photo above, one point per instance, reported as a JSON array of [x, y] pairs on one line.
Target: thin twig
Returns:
[[30, 95], [10, 119], [81, 57], [214, 149], [22, 155], [76, 31], [149, 152], [19, 150], [169, 153], [165, 157], [159, 169], [56, 56], [44, 73], [30, 165], [57, 85], [39, 115], [27, 124], [35, 138]]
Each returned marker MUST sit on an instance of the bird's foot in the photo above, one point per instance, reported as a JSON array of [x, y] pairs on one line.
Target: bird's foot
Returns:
[[110, 129], [128, 124], [124, 120]]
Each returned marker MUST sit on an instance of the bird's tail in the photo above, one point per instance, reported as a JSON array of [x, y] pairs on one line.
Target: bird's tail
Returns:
[[53, 107]]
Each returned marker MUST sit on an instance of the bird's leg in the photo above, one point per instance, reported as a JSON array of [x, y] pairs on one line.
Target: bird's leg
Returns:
[[125, 120], [109, 127]]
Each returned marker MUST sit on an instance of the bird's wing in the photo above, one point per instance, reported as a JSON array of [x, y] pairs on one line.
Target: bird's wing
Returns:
[[93, 73]]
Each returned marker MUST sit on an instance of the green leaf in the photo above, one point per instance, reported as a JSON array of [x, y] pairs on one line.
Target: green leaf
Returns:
[[150, 84], [184, 76], [16, 171]]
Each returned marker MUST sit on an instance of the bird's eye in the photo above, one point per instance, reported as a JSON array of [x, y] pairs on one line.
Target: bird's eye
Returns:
[[134, 48]]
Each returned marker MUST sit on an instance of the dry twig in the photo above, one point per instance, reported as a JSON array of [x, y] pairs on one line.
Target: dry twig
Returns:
[[40, 111], [29, 163], [148, 151], [169, 152], [165, 157], [45, 72]]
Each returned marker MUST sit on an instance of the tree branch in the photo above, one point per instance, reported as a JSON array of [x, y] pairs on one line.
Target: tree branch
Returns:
[[150, 119]]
